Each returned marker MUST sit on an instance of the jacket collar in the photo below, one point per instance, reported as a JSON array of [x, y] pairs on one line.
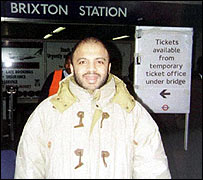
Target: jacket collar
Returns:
[[100, 96]]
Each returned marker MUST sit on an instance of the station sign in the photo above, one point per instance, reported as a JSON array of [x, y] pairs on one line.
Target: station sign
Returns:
[[162, 78], [69, 11]]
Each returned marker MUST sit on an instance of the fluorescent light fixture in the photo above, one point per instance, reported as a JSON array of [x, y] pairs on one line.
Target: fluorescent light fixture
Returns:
[[59, 29], [47, 36], [120, 37]]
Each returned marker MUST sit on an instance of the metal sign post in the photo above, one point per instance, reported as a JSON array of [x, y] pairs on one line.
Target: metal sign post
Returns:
[[186, 131]]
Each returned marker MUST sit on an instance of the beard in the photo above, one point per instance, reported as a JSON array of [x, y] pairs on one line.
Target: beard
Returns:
[[81, 82]]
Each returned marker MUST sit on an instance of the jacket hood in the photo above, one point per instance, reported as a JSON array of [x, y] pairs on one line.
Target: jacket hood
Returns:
[[64, 98]]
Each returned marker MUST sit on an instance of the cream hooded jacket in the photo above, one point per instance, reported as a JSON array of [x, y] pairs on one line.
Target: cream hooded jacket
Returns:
[[76, 134]]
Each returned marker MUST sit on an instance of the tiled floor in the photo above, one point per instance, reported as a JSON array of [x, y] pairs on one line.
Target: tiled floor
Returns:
[[183, 164]]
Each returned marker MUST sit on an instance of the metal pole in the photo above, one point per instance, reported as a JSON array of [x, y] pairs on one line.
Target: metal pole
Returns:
[[11, 120], [11, 110], [186, 131]]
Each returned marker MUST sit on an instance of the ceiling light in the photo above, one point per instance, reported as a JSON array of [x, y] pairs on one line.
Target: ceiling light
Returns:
[[121, 37], [47, 36], [59, 29]]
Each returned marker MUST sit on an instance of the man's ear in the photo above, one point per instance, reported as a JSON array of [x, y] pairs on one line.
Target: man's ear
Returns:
[[109, 67], [71, 67]]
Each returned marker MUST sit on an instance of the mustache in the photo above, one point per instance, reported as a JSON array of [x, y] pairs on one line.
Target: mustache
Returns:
[[91, 73]]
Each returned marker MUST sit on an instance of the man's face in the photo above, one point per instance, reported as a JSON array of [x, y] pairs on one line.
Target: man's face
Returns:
[[91, 65]]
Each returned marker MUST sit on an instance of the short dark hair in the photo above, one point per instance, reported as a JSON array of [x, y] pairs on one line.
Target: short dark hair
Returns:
[[90, 39]]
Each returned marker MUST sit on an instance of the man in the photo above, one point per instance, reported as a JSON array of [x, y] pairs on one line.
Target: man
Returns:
[[92, 128], [51, 84]]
